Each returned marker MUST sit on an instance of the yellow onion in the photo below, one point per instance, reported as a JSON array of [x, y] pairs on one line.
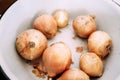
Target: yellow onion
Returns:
[[46, 24], [30, 44], [100, 43], [91, 64], [61, 17], [56, 58], [84, 26], [74, 74]]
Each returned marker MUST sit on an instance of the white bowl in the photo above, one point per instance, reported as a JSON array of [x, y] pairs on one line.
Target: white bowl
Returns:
[[20, 16]]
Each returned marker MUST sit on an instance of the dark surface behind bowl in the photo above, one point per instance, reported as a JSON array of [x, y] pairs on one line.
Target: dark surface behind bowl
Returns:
[[4, 5]]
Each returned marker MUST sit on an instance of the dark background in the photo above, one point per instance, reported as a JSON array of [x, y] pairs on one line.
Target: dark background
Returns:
[[4, 5], [3, 75]]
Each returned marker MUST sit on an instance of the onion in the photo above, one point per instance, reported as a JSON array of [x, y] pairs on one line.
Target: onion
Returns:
[[61, 17], [30, 44], [100, 43], [56, 58], [74, 74], [91, 64], [46, 24], [84, 26]]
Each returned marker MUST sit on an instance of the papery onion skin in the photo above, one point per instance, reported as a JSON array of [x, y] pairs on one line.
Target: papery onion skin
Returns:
[[30, 44], [57, 58], [84, 25], [61, 17], [74, 74], [46, 24], [100, 43], [91, 64]]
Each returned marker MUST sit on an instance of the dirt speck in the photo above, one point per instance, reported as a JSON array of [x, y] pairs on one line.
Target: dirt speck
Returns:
[[38, 73], [79, 49], [59, 31], [74, 37]]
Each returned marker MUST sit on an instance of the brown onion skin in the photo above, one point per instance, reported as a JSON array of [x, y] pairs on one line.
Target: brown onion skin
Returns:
[[91, 64], [46, 24], [30, 44], [61, 17], [84, 26], [100, 43], [74, 74], [56, 58]]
